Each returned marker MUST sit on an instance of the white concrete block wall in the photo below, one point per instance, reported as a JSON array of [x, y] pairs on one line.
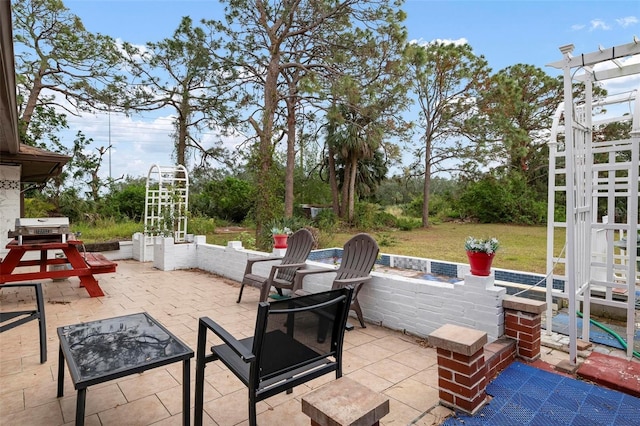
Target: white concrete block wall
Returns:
[[9, 203], [227, 261], [415, 306], [141, 249], [125, 252]]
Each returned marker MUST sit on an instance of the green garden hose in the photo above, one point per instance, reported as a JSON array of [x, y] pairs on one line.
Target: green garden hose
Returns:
[[610, 331]]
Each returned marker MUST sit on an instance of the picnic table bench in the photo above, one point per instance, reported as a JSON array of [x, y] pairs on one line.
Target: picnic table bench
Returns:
[[83, 265]]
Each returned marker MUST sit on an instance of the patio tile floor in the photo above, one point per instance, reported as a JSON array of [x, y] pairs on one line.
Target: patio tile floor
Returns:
[[401, 367], [387, 361]]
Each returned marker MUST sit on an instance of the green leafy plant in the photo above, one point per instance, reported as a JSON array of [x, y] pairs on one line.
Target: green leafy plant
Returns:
[[408, 223], [482, 245], [386, 240], [281, 231], [248, 240]]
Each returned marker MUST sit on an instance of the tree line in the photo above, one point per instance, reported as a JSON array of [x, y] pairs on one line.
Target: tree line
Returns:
[[320, 92]]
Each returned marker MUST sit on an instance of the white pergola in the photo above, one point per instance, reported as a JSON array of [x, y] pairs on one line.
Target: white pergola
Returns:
[[166, 202], [597, 182]]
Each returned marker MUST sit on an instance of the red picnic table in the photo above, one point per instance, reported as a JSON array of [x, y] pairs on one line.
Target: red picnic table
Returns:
[[82, 265]]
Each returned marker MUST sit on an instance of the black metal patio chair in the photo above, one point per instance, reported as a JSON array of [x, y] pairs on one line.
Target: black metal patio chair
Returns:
[[16, 318], [295, 340]]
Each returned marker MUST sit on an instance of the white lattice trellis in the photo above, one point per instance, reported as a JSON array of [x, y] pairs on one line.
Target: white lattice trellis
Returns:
[[596, 181], [166, 202]]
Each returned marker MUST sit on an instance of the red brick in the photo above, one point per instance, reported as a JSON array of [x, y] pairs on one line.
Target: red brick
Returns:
[[460, 390], [470, 405], [449, 385], [531, 321], [521, 328], [511, 333], [462, 358], [469, 393], [493, 362], [444, 353], [480, 365], [510, 315], [508, 354], [527, 353], [446, 396], [469, 380], [525, 344], [469, 359], [456, 366], [444, 373], [510, 322]]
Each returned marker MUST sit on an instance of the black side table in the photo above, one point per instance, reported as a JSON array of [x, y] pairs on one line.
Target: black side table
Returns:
[[99, 351]]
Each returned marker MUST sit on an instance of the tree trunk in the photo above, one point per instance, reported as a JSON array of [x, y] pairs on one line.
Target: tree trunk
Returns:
[[344, 205], [31, 102], [183, 117], [333, 182], [291, 156], [352, 188], [427, 185], [264, 201]]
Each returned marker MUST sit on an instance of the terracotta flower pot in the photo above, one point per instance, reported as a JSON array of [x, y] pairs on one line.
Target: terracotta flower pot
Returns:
[[480, 263], [280, 241]]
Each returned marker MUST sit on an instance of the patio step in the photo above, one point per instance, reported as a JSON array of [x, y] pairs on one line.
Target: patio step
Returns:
[[498, 355], [612, 372]]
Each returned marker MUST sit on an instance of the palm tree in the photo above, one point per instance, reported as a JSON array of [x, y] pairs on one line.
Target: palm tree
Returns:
[[352, 138]]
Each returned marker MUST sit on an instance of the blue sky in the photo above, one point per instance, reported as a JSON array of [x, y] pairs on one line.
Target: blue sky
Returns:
[[505, 32]]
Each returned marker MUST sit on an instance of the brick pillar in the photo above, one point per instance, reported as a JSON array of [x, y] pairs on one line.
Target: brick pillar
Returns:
[[461, 367], [522, 321]]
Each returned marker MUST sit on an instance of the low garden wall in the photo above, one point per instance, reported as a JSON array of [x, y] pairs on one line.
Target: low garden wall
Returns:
[[415, 306]]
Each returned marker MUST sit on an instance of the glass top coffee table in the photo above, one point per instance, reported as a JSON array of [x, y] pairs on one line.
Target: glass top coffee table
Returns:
[[103, 350]]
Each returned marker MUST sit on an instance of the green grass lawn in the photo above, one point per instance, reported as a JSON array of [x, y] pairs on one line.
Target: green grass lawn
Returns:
[[522, 248]]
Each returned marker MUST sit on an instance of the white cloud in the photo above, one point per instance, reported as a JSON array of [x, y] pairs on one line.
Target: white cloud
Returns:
[[627, 21], [577, 27], [599, 24], [457, 42]]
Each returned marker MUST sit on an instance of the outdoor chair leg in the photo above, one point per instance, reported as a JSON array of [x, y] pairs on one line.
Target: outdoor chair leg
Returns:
[[240, 295], [264, 291], [42, 322], [200, 365], [356, 307], [252, 409]]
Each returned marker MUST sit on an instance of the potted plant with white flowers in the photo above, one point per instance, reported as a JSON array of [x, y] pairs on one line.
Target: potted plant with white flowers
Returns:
[[480, 252], [280, 236]]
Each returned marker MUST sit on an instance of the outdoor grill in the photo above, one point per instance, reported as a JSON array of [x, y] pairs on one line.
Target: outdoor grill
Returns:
[[42, 229]]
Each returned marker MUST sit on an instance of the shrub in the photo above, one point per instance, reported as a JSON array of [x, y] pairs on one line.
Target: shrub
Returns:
[[201, 225], [248, 240], [386, 240], [228, 199], [365, 215], [106, 229], [505, 200], [385, 219], [414, 208], [326, 220], [127, 202], [36, 207], [408, 223]]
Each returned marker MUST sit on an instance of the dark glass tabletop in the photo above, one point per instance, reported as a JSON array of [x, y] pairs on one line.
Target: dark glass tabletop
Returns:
[[102, 350]]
